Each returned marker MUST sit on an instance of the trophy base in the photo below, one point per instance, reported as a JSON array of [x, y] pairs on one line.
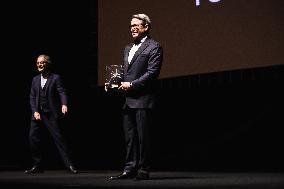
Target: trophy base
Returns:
[[114, 86]]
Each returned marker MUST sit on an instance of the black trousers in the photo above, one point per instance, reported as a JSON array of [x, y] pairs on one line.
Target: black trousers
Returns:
[[136, 124], [48, 122]]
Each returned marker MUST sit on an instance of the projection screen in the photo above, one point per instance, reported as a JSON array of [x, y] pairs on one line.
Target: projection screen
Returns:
[[198, 36]]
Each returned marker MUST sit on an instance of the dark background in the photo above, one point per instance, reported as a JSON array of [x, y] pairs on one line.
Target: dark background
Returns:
[[229, 120]]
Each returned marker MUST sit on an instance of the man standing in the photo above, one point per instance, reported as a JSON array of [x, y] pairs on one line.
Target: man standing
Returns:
[[48, 101], [142, 64]]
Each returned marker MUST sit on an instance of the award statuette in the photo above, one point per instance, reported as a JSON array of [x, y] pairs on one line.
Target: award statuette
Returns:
[[113, 77]]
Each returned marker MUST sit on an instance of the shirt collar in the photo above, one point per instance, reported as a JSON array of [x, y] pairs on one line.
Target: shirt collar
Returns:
[[141, 41]]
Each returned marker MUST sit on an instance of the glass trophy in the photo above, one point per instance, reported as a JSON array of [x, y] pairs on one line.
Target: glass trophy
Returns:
[[113, 77]]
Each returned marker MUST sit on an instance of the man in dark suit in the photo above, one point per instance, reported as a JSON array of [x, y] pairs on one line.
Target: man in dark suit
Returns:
[[142, 64], [48, 102]]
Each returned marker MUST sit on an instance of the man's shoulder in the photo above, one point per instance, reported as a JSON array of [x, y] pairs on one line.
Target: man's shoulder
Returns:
[[129, 45], [154, 42], [36, 76], [55, 75]]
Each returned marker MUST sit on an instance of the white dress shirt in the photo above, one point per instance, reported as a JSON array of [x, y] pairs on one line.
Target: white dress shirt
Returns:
[[42, 81], [134, 48]]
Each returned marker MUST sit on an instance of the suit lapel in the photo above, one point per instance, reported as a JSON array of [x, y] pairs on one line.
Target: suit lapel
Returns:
[[38, 87], [126, 64], [48, 82], [139, 51]]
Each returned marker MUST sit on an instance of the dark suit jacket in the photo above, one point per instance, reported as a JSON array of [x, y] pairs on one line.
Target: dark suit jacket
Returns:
[[143, 72], [55, 91]]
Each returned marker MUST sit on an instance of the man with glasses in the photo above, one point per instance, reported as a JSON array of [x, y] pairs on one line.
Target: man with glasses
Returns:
[[142, 64], [48, 102]]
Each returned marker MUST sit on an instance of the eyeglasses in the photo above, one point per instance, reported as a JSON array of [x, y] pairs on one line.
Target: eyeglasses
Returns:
[[136, 26], [43, 62]]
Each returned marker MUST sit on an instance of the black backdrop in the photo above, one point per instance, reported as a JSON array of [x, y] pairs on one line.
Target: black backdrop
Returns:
[[217, 121]]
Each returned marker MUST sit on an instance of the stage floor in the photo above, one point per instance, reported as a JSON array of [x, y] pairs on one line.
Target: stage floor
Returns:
[[165, 180]]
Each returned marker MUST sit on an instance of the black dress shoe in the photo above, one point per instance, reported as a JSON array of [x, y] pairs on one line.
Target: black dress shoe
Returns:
[[142, 175], [123, 175], [72, 169], [34, 169]]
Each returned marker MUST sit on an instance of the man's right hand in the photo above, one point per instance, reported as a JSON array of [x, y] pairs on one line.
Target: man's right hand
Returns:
[[106, 86], [37, 116]]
